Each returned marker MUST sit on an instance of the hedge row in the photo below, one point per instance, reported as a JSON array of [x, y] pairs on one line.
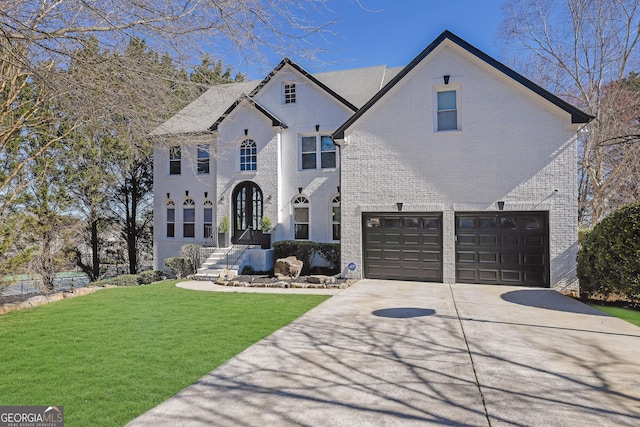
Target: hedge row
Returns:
[[311, 253], [609, 257], [143, 278]]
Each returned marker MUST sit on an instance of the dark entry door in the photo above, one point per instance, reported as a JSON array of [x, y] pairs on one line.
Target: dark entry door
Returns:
[[510, 248], [247, 199], [403, 246]]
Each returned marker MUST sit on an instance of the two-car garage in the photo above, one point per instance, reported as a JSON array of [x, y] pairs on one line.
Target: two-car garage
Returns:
[[490, 247]]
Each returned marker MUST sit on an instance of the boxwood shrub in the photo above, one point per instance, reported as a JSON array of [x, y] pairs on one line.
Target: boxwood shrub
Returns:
[[306, 251], [609, 258]]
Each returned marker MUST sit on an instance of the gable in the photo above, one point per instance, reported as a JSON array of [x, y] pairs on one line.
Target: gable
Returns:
[[577, 116]]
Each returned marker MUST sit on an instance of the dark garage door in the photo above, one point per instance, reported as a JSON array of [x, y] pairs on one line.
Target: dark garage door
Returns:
[[405, 246], [502, 248]]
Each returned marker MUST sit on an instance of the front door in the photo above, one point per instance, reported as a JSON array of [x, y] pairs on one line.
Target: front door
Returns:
[[247, 199]]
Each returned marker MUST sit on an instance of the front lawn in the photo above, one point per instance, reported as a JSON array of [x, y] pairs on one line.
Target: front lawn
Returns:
[[110, 356], [631, 316]]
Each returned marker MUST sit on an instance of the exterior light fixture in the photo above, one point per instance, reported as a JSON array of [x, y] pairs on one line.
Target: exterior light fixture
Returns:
[[317, 128], [299, 190], [206, 194], [446, 79], [246, 132], [338, 187], [501, 205], [168, 195], [221, 201], [186, 193], [399, 205], [269, 198]]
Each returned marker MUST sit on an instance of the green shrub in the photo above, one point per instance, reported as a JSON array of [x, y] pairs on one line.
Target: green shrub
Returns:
[[193, 253], [178, 267], [609, 259], [307, 251], [150, 276]]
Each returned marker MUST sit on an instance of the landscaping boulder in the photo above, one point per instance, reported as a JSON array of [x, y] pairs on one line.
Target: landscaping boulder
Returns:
[[320, 279], [287, 268], [225, 276]]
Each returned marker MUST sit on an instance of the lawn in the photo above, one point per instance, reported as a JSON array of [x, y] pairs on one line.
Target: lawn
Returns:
[[631, 316], [110, 356]]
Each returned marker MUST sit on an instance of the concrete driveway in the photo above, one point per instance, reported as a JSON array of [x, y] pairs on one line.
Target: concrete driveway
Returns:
[[385, 353]]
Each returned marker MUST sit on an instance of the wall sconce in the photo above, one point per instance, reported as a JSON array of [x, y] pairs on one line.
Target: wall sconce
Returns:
[[399, 205], [338, 187], [299, 190], [501, 205], [446, 79], [206, 194], [168, 195], [268, 199], [246, 132], [186, 193], [317, 128], [221, 201]]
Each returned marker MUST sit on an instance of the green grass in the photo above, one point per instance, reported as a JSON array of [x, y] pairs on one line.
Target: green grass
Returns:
[[110, 356], [631, 316]]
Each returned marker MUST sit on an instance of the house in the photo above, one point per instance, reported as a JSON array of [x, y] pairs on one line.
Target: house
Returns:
[[452, 169]]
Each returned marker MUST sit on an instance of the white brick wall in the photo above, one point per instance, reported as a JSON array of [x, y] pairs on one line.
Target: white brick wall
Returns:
[[512, 145]]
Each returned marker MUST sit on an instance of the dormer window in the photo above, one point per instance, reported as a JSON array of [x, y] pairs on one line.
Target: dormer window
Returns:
[[289, 93]]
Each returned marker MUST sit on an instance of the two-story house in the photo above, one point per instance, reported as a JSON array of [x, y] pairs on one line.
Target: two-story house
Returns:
[[453, 168]]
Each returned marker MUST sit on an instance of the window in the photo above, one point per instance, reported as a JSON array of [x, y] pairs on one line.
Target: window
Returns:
[[171, 219], [248, 155], [208, 219], [175, 160], [189, 218], [447, 110], [335, 218], [317, 151], [203, 159], [301, 218], [289, 93]]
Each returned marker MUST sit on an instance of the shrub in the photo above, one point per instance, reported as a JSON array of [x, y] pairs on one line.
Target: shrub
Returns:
[[192, 252], [308, 252], [125, 280], [178, 267], [150, 276], [609, 259]]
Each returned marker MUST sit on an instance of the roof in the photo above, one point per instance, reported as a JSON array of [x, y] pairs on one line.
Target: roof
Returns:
[[577, 116], [352, 88]]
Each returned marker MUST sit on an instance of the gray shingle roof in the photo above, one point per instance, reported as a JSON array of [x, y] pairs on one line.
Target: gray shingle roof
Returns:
[[356, 86]]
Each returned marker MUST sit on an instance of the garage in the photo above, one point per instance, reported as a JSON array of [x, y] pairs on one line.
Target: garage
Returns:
[[510, 248], [403, 246]]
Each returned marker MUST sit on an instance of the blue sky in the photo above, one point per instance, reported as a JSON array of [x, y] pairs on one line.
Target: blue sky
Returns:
[[393, 32]]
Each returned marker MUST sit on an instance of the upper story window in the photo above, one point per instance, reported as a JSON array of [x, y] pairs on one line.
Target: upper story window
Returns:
[[301, 218], [248, 155], [175, 160], [447, 110], [317, 152], [189, 218], [208, 219], [288, 93], [203, 159]]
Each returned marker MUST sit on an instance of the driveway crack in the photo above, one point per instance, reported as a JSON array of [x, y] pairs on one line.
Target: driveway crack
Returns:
[[473, 366]]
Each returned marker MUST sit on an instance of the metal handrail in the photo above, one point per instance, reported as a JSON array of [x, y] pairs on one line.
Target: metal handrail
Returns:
[[236, 250]]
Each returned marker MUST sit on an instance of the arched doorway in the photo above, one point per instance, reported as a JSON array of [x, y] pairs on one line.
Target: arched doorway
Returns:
[[247, 211]]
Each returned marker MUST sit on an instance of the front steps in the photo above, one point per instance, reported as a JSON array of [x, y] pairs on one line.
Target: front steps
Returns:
[[217, 262]]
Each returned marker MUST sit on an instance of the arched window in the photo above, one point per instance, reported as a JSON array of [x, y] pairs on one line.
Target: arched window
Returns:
[[335, 218], [171, 219], [248, 155], [208, 219], [189, 218], [301, 218]]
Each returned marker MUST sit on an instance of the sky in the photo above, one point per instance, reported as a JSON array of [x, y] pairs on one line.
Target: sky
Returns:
[[393, 32]]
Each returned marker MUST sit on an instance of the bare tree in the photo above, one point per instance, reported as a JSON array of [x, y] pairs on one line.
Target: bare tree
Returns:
[[580, 48]]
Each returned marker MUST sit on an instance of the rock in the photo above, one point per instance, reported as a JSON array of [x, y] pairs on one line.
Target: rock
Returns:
[[83, 291], [36, 301], [8, 308], [317, 260], [55, 297], [299, 285], [287, 268], [225, 276], [327, 280]]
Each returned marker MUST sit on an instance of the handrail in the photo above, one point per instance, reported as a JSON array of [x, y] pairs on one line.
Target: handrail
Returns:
[[236, 250]]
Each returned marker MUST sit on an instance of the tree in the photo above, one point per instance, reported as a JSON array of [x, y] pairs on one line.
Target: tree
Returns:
[[580, 49]]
